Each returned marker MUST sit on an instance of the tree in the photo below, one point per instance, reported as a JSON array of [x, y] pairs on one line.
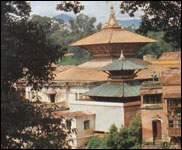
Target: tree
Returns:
[[111, 139], [126, 138], [31, 125], [79, 28], [94, 142], [157, 48], [69, 6], [26, 44], [158, 16]]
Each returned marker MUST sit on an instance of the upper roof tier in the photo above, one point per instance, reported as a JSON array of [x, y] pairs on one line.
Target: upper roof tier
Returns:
[[111, 39], [125, 64]]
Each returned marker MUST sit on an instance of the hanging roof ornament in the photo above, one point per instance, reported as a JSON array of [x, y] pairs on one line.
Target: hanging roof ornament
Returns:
[[112, 20]]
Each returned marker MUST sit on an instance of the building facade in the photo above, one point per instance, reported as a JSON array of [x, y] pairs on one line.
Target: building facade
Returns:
[[161, 108]]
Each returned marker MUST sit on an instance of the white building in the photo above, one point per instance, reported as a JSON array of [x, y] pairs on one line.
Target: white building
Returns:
[[83, 122]]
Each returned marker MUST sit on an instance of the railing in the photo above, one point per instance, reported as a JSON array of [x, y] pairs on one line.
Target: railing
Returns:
[[175, 132]]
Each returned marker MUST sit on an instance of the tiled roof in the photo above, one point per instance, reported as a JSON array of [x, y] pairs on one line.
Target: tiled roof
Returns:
[[73, 114], [63, 68], [171, 77], [110, 36], [80, 74], [116, 89], [85, 72], [89, 72], [126, 64], [170, 56]]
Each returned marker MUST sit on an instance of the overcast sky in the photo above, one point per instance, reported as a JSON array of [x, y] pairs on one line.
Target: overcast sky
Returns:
[[98, 9]]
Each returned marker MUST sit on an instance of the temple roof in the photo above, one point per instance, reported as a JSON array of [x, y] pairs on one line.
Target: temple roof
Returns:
[[126, 64], [116, 89], [88, 72], [113, 33], [170, 56], [111, 36], [171, 77]]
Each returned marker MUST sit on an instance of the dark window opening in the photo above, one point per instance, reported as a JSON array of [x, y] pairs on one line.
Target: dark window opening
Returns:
[[86, 125], [171, 123], [152, 99], [179, 123], [52, 98]]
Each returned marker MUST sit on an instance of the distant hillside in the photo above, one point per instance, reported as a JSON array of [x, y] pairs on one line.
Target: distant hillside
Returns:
[[126, 23], [64, 17]]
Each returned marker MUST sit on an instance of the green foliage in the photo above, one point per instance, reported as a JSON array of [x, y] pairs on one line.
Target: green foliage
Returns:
[[76, 29], [157, 48], [25, 44], [31, 125], [158, 16], [126, 138], [71, 60], [111, 139], [94, 142], [69, 6]]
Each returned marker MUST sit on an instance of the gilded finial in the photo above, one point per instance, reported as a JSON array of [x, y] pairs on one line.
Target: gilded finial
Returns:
[[122, 57], [112, 19]]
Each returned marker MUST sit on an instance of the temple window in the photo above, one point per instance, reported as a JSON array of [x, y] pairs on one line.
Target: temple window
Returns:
[[152, 99], [171, 123], [86, 125], [80, 96], [52, 98], [174, 123], [179, 122]]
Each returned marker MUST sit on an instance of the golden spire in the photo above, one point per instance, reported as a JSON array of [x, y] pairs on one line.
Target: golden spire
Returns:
[[112, 20]]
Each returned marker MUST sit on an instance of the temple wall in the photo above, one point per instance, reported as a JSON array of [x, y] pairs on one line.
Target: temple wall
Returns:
[[130, 111], [106, 113], [82, 136], [147, 130]]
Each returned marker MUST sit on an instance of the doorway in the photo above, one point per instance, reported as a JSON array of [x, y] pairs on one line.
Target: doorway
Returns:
[[157, 130]]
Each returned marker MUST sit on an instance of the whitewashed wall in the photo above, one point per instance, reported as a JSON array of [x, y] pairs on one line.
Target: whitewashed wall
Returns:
[[82, 136], [63, 94], [106, 113], [43, 97], [76, 90]]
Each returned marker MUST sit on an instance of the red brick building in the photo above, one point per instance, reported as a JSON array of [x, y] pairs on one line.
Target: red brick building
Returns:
[[161, 108]]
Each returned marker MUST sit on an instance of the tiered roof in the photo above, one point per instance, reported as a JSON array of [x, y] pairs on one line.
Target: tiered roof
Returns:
[[111, 39], [108, 42], [116, 89], [126, 64]]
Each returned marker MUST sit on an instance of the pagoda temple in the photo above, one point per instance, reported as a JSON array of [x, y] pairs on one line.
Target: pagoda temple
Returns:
[[114, 72], [117, 75]]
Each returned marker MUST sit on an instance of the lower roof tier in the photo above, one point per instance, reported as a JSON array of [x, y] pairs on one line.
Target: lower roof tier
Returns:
[[116, 89]]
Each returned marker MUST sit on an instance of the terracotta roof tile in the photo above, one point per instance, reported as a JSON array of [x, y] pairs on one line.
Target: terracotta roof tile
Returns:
[[88, 72], [107, 36], [171, 77], [73, 114], [170, 56]]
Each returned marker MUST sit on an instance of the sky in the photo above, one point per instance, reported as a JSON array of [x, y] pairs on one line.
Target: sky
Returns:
[[98, 9]]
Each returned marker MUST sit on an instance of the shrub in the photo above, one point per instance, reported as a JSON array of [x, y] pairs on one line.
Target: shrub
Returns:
[[94, 143]]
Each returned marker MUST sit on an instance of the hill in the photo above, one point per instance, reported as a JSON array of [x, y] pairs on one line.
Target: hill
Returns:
[[64, 17]]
